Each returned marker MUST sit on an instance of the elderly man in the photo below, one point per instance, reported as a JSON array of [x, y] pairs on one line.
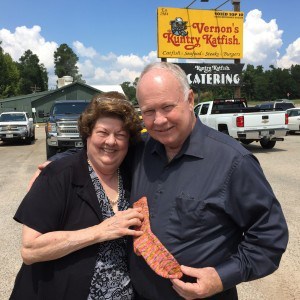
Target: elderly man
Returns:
[[209, 201]]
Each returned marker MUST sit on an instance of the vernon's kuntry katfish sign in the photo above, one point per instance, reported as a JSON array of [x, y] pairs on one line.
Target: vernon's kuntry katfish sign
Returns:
[[190, 33]]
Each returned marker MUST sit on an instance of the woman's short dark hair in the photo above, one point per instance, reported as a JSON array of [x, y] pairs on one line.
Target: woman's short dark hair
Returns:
[[110, 104]]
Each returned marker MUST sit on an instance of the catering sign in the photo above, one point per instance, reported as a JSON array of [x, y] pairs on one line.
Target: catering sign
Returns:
[[213, 74], [190, 33]]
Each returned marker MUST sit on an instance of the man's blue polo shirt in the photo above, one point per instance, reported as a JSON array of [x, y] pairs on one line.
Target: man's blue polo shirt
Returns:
[[211, 206]]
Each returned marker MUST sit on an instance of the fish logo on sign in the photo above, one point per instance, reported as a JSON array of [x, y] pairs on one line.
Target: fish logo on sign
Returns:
[[178, 27]]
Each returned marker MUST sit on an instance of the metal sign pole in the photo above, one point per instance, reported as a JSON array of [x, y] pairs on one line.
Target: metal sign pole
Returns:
[[237, 89]]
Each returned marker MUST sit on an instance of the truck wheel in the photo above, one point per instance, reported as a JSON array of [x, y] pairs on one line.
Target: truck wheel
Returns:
[[50, 151], [267, 144], [33, 136], [28, 140]]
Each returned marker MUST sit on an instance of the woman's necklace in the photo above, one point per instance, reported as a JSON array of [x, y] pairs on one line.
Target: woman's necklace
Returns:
[[112, 202], [116, 200]]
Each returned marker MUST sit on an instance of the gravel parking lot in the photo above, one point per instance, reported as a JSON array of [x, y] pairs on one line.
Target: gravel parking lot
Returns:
[[281, 166]]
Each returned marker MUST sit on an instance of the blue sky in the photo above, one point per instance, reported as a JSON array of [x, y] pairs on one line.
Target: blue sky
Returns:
[[114, 40]]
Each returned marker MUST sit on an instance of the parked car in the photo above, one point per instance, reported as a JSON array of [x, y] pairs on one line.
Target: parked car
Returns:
[[280, 104], [294, 119], [16, 126]]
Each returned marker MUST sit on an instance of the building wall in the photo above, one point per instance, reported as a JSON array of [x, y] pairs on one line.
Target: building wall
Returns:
[[20, 103], [16, 105], [42, 102]]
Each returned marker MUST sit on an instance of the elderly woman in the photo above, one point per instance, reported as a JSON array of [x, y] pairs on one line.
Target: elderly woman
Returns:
[[76, 217]]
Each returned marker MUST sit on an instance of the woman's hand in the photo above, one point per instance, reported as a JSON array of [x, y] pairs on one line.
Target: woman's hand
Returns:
[[121, 224], [37, 173]]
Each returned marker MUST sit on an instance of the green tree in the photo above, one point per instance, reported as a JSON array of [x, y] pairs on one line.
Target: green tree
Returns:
[[129, 90], [65, 61], [280, 82], [248, 82], [255, 83], [295, 88], [135, 82], [261, 84], [33, 75], [9, 75]]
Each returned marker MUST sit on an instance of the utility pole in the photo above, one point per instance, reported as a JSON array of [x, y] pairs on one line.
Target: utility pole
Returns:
[[35, 89], [237, 89]]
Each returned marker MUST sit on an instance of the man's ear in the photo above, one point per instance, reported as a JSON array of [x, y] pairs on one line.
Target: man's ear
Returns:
[[191, 99]]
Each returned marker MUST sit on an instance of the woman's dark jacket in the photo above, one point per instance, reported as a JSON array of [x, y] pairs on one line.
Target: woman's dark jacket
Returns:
[[62, 198]]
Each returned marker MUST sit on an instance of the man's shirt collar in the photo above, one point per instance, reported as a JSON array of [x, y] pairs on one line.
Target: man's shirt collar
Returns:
[[192, 146]]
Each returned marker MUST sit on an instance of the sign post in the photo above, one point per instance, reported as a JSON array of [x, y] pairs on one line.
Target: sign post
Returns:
[[35, 118], [237, 90]]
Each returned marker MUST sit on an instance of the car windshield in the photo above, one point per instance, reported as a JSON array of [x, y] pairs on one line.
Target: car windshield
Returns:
[[12, 117], [69, 108], [294, 112]]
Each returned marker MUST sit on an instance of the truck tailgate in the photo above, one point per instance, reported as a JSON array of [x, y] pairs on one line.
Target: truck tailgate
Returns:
[[265, 120]]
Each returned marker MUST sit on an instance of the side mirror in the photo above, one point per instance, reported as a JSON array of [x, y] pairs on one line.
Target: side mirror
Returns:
[[30, 119]]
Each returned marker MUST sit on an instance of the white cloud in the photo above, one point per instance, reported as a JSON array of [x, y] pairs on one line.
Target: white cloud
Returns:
[[124, 75], [132, 61], [113, 69], [151, 57], [99, 74], [84, 51], [292, 55], [109, 57], [109, 76], [262, 40], [16, 43], [86, 68]]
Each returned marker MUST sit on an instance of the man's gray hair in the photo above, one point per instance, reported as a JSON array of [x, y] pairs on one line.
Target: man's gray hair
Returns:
[[178, 73]]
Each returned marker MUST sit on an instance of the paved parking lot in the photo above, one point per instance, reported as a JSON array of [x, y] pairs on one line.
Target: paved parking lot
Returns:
[[281, 166]]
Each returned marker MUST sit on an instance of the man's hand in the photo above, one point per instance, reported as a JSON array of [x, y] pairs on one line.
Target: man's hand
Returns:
[[208, 283], [37, 173]]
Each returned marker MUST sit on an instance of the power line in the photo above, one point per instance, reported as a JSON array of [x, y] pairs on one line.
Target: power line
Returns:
[[207, 1], [222, 4]]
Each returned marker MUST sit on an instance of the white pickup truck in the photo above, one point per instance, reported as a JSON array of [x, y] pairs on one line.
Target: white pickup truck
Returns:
[[16, 126], [246, 124]]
